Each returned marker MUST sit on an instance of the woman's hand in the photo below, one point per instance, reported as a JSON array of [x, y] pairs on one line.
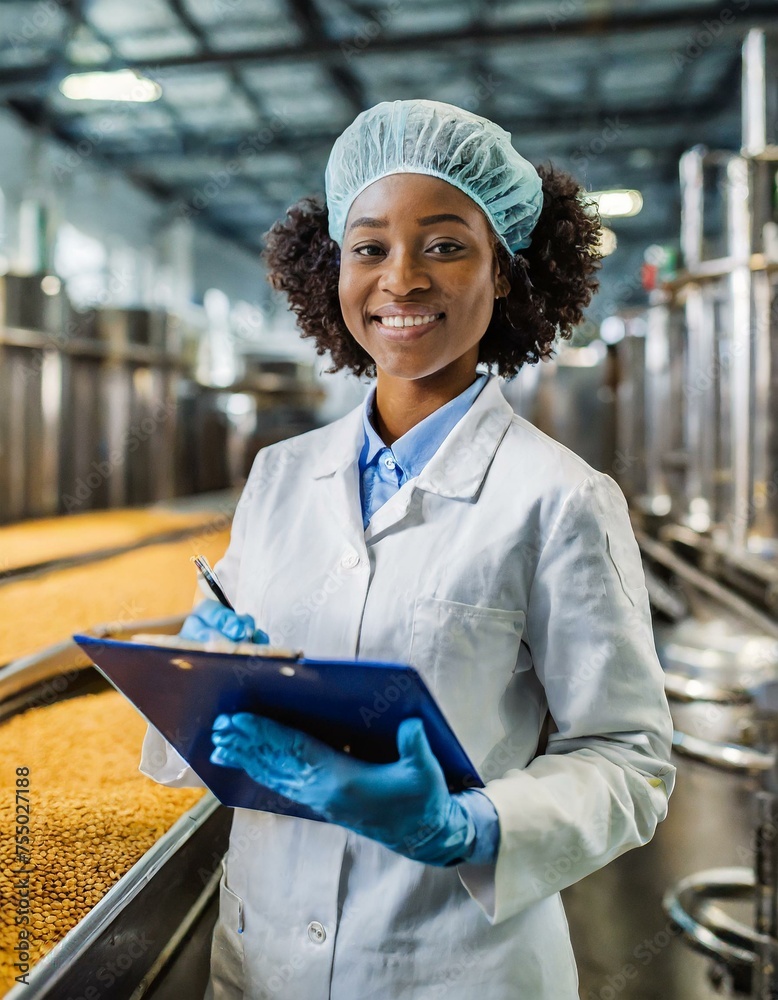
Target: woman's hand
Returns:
[[211, 620], [405, 805]]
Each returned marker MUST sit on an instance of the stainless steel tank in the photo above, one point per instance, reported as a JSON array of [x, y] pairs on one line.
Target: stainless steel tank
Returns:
[[759, 93], [663, 401], [32, 308], [711, 297], [631, 440], [119, 413], [763, 521]]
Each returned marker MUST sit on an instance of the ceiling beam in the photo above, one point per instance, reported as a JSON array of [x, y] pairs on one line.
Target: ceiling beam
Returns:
[[579, 130], [201, 37], [764, 12], [689, 18], [35, 116], [308, 19]]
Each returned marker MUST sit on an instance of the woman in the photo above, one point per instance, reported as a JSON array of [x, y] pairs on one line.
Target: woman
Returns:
[[434, 526]]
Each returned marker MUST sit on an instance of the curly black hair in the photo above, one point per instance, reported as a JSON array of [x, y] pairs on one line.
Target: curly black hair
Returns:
[[551, 281]]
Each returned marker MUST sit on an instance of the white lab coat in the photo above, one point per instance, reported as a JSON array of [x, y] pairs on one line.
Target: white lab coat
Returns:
[[508, 574]]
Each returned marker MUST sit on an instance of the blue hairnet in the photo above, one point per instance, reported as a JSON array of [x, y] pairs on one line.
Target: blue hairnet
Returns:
[[429, 137]]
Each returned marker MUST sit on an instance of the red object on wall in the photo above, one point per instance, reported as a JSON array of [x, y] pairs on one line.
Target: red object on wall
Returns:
[[649, 274]]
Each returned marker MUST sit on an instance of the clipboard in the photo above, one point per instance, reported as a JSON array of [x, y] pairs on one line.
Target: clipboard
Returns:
[[354, 704]]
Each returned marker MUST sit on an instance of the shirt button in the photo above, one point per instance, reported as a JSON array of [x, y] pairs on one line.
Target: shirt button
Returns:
[[349, 560], [316, 932], [389, 462]]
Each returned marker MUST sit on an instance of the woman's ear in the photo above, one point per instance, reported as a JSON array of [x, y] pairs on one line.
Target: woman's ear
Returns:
[[502, 286]]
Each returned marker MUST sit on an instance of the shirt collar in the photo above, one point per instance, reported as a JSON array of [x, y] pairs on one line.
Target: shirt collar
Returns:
[[457, 469], [416, 447]]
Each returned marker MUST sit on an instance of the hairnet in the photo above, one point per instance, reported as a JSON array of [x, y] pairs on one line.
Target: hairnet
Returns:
[[429, 137]]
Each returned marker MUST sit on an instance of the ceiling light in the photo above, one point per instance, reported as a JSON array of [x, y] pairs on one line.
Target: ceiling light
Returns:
[[617, 203], [123, 85]]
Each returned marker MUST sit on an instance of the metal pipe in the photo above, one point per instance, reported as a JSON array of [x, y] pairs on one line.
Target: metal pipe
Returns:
[[739, 247], [730, 756], [765, 981], [682, 904], [662, 554]]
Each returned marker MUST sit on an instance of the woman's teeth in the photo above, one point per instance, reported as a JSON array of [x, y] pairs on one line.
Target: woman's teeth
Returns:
[[399, 321]]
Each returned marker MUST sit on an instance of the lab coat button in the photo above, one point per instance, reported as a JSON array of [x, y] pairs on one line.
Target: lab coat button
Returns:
[[316, 932], [349, 560]]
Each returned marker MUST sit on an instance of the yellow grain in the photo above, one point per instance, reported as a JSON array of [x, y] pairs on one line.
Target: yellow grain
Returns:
[[151, 582], [49, 538], [92, 813]]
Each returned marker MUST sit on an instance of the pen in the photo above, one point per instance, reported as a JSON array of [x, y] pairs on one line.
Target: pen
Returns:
[[212, 580]]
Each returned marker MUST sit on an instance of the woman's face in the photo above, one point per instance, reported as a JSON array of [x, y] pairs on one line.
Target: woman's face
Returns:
[[416, 246]]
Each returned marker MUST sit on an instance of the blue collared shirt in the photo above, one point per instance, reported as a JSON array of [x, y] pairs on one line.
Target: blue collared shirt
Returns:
[[382, 471]]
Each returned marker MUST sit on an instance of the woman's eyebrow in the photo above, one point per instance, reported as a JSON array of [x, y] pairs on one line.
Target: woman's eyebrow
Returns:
[[427, 220]]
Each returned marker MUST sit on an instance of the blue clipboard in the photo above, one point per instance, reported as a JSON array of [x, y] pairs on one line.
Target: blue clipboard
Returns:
[[354, 703]]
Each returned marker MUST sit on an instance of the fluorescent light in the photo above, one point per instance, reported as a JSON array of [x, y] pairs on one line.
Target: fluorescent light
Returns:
[[123, 85], [617, 203]]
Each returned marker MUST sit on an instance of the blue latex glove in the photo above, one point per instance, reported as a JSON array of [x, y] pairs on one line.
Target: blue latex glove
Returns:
[[405, 805], [211, 620]]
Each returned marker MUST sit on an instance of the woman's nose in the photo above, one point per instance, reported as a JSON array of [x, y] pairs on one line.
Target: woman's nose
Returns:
[[403, 273]]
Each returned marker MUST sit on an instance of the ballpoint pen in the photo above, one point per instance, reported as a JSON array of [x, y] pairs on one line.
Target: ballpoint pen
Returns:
[[204, 568], [205, 571]]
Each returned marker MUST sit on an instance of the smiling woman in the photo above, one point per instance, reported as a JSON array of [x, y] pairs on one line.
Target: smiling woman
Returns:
[[417, 287], [434, 526], [438, 234]]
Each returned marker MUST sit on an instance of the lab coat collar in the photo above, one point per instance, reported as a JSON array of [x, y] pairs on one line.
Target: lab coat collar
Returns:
[[458, 467]]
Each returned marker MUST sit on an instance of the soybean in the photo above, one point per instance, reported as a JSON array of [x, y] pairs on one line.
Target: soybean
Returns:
[[92, 815]]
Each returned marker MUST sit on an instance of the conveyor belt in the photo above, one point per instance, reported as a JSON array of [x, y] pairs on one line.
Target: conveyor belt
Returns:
[[90, 813], [30, 548], [83, 882], [97, 555]]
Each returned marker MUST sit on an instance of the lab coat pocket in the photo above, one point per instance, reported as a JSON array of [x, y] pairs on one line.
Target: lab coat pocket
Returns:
[[227, 970], [467, 655]]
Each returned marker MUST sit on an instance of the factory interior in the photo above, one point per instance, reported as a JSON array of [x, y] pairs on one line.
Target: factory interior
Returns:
[[145, 360]]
